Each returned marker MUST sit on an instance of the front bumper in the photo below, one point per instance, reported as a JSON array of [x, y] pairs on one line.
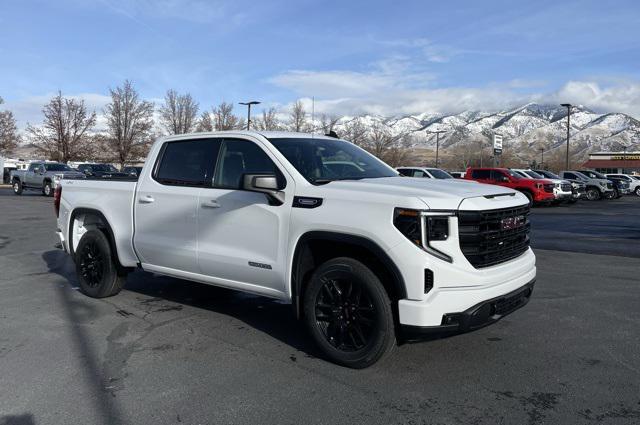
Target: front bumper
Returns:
[[479, 315]]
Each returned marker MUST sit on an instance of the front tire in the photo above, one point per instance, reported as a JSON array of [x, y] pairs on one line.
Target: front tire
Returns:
[[593, 194], [95, 266], [349, 314], [17, 187], [637, 191], [529, 197]]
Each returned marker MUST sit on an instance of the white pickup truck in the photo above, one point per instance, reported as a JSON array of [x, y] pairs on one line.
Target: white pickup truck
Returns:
[[367, 257]]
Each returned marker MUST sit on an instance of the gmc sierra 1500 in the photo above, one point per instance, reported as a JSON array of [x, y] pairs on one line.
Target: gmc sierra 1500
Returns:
[[365, 256]]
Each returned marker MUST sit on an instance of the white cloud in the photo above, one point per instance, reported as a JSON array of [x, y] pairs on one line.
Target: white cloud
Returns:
[[390, 91]]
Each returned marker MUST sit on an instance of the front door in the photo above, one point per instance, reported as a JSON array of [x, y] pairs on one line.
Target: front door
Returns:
[[241, 236], [166, 205]]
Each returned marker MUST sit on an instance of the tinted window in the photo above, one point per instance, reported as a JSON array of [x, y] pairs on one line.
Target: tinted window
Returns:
[[481, 174], [188, 163], [405, 171], [57, 167], [32, 167], [240, 157], [314, 159], [420, 173], [440, 174]]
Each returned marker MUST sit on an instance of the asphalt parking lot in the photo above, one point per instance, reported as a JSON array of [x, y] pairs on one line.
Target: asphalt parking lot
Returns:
[[166, 351]]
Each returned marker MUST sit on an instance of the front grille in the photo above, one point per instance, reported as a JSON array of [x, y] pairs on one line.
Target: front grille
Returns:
[[548, 188], [609, 185], [487, 239], [566, 187]]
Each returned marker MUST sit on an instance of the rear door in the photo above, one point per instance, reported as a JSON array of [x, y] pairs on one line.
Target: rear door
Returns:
[[241, 235], [166, 204]]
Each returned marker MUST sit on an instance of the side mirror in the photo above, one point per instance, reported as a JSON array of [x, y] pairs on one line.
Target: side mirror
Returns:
[[264, 183]]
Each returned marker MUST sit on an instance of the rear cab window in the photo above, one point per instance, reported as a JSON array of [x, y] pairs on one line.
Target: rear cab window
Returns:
[[187, 162]]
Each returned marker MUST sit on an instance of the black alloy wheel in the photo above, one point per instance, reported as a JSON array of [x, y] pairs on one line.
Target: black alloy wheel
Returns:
[[92, 264], [637, 191], [98, 274], [345, 314], [348, 313]]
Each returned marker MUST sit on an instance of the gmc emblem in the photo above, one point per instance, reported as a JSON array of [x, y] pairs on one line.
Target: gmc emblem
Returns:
[[511, 223]]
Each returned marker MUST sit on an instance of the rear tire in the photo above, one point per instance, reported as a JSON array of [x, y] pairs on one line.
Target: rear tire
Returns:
[[349, 314], [17, 187], [613, 194], [95, 266], [637, 191], [47, 190]]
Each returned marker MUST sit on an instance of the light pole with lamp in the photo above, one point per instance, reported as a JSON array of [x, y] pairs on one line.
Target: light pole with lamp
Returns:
[[248, 105], [437, 133], [568, 106]]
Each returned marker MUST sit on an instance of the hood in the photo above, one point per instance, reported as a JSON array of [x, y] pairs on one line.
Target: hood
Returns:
[[71, 174], [437, 194]]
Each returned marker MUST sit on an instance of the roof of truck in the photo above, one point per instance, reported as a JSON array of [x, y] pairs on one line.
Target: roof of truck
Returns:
[[266, 134]]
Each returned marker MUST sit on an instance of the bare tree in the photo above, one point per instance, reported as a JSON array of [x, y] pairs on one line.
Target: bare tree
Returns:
[[63, 133], [328, 123], [224, 119], [268, 121], [391, 148], [298, 117], [355, 132], [205, 123], [129, 122], [9, 137], [178, 113]]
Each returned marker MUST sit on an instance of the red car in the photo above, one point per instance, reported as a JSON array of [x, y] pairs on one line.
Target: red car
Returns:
[[537, 190]]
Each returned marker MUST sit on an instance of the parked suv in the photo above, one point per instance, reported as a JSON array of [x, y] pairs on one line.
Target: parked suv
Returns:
[[561, 188], [620, 187], [42, 176], [596, 188], [430, 173], [536, 190], [363, 254], [578, 189], [634, 183]]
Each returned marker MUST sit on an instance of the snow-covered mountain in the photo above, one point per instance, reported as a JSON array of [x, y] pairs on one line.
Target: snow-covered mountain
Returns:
[[525, 129]]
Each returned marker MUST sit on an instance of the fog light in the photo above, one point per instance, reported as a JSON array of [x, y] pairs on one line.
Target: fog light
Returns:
[[428, 280]]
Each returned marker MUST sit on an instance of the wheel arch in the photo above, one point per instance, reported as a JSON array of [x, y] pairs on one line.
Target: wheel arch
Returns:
[[100, 222], [311, 251]]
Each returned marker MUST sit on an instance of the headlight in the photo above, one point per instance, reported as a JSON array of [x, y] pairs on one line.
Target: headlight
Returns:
[[422, 227]]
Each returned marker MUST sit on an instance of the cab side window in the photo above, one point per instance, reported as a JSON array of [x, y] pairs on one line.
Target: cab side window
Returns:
[[499, 176], [187, 162], [420, 173], [240, 157], [481, 174], [406, 172]]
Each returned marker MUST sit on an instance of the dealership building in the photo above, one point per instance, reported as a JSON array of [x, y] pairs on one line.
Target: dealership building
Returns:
[[614, 162]]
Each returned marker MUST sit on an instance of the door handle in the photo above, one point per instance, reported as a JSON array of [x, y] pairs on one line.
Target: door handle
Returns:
[[211, 204], [146, 200]]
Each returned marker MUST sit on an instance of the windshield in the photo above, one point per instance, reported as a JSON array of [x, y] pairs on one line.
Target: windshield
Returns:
[[549, 174], [322, 160], [594, 174], [580, 175], [104, 168], [57, 167], [515, 175], [439, 174], [533, 174], [635, 177]]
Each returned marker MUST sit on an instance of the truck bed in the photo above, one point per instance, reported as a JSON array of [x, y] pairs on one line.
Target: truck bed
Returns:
[[113, 198]]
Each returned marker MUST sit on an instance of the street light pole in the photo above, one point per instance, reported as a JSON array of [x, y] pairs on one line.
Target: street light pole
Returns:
[[248, 105], [568, 106], [437, 133]]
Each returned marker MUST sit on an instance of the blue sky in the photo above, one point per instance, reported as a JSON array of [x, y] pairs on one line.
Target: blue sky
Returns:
[[354, 57]]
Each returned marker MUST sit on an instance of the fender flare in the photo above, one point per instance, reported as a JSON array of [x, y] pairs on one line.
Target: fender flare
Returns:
[[106, 228], [398, 283]]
